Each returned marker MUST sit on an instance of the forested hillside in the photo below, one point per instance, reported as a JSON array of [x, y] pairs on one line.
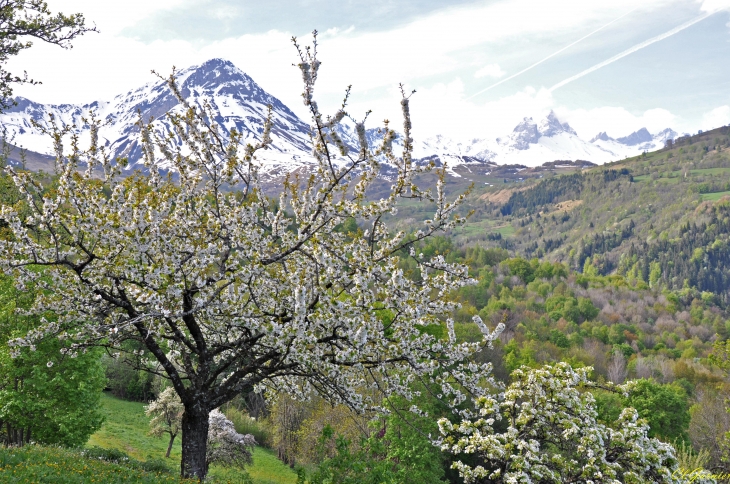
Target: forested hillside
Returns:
[[660, 218]]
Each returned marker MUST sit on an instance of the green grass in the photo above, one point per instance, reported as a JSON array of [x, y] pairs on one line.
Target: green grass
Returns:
[[506, 231], [713, 197], [266, 469], [675, 176], [484, 226], [35, 464], [710, 171], [126, 428]]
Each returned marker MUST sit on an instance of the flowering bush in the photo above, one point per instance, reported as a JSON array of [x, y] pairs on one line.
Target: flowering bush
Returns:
[[227, 447], [551, 435]]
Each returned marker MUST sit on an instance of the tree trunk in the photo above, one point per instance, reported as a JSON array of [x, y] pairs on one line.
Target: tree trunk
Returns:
[[169, 446], [194, 442]]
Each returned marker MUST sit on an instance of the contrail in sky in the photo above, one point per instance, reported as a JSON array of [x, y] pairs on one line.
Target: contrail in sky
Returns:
[[551, 55], [633, 49]]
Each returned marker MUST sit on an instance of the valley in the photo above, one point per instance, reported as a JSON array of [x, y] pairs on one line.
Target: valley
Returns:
[[225, 289]]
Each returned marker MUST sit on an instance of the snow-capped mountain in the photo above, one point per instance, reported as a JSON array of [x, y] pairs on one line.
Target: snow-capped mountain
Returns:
[[533, 143], [238, 102], [637, 142]]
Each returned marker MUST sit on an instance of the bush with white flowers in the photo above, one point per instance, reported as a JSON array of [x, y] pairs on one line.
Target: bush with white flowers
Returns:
[[544, 429], [227, 447]]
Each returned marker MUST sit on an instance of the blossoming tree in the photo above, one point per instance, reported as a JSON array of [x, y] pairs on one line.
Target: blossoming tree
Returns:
[[228, 291], [165, 414], [225, 446]]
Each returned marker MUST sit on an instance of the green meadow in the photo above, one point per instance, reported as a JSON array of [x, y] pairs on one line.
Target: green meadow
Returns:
[[126, 430]]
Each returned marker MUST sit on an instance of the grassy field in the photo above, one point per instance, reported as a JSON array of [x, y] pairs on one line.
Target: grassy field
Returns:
[[506, 231], [713, 197], [35, 464], [675, 176], [126, 429], [709, 171]]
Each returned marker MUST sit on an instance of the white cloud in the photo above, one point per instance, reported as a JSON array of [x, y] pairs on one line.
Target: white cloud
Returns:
[[616, 121], [429, 53], [443, 109], [720, 116], [225, 12], [714, 5], [101, 65], [112, 17], [491, 70]]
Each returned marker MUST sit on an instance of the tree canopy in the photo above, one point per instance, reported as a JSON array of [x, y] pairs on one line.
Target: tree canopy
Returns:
[[45, 396], [545, 429]]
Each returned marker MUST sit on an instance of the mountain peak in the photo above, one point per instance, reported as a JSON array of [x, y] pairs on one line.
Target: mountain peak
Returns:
[[551, 126], [529, 132], [636, 138], [666, 134], [525, 134], [214, 73], [602, 136], [217, 62]]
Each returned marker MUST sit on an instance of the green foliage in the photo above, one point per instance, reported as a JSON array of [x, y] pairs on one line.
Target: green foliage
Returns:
[[45, 396], [398, 453], [396, 450], [126, 381], [544, 428], [549, 191], [58, 404], [609, 406], [118, 457], [581, 318], [522, 269], [699, 255], [665, 407]]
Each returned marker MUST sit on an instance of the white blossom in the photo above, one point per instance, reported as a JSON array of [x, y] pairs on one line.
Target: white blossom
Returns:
[[226, 446], [551, 434]]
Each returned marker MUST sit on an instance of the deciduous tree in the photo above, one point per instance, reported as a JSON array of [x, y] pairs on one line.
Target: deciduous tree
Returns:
[[226, 447], [45, 396], [228, 291], [166, 412]]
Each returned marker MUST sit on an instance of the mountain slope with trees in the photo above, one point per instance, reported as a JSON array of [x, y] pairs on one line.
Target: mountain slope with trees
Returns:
[[660, 218]]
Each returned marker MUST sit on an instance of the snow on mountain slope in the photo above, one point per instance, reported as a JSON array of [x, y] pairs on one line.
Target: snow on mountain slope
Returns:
[[234, 97], [635, 143], [533, 143], [238, 102], [561, 146]]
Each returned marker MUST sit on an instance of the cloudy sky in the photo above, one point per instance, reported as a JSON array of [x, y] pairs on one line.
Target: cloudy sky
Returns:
[[478, 67]]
